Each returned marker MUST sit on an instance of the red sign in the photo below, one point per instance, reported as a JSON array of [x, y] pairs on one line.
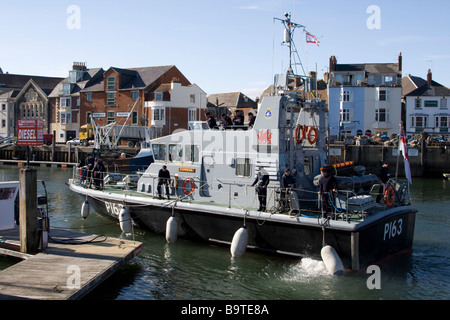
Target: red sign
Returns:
[[30, 132], [264, 137]]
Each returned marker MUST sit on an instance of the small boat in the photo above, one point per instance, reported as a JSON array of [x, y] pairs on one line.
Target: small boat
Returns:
[[211, 197]]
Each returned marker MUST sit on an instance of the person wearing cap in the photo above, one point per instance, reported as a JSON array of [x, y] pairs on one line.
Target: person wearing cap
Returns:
[[327, 184], [262, 180], [163, 178], [384, 177]]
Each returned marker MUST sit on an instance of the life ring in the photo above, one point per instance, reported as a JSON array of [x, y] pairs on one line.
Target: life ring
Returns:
[[389, 196], [313, 135], [299, 134], [191, 181]]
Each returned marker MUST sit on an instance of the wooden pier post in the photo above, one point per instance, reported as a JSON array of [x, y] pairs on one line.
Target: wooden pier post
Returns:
[[29, 236]]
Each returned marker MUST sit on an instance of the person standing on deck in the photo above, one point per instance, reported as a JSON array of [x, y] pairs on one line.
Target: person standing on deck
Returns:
[[163, 178], [262, 179], [327, 184]]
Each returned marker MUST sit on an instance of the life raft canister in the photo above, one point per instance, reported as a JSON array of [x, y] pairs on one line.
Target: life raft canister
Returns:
[[189, 192], [389, 196]]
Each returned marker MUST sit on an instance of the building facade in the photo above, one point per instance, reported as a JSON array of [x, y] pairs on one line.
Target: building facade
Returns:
[[24, 97], [427, 107], [364, 98]]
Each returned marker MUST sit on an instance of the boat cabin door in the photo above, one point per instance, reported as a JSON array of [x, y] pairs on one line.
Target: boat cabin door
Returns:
[[207, 175]]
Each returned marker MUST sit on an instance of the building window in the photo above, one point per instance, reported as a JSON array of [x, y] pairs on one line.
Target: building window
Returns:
[[111, 98], [3, 123], [243, 167], [192, 114], [419, 121], [3, 107], [66, 118], [111, 118], [66, 102], [111, 84], [346, 96], [158, 114], [441, 121], [192, 97], [134, 117], [383, 95], [418, 103], [88, 117], [134, 95], [444, 103], [89, 96], [346, 115], [158, 96], [67, 88], [381, 115]]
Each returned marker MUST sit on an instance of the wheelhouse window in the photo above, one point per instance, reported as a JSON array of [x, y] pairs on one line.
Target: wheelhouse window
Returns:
[[243, 167], [192, 152], [175, 152], [159, 151]]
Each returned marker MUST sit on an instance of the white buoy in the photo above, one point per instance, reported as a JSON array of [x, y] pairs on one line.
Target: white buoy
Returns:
[[332, 261], [171, 230], [125, 220], [85, 209], [239, 242]]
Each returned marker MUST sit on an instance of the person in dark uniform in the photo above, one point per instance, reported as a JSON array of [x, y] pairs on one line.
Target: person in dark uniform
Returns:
[[287, 183], [163, 178], [262, 180], [384, 177], [251, 120], [226, 121], [327, 184], [212, 124]]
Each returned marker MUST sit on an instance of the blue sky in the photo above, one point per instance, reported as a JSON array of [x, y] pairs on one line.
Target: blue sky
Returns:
[[222, 46]]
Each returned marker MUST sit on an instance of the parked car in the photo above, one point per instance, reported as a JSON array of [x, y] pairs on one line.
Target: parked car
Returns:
[[75, 141]]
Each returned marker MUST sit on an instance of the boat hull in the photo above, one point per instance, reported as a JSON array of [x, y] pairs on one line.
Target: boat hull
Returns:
[[357, 245]]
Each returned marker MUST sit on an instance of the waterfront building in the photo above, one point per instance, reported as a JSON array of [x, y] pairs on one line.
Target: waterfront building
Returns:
[[426, 106], [160, 98], [364, 98], [24, 97], [65, 101]]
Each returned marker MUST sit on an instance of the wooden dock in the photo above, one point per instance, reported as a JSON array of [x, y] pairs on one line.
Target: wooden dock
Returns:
[[71, 267]]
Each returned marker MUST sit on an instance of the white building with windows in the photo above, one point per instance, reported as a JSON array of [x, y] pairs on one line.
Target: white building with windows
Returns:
[[427, 106], [364, 98]]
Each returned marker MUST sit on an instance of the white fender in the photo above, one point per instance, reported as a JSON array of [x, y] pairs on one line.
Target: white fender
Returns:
[[239, 242], [85, 209], [171, 230], [332, 261], [125, 220]]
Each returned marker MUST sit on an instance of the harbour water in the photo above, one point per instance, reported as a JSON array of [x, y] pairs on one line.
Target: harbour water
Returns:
[[187, 270]]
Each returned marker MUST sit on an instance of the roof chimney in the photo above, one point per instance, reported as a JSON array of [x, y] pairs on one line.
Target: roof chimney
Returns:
[[333, 63], [400, 62], [79, 66], [429, 77]]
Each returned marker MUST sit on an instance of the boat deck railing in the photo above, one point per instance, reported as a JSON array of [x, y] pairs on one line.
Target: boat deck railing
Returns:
[[278, 200]]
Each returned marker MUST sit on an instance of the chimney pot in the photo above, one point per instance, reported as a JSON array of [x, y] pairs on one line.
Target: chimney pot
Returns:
[[429, 77]]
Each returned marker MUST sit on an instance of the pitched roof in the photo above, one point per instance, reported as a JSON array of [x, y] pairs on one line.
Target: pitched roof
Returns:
[[435, 90], [90, 77], [18, 81], [134, 78], [231, 100], [369, 67]]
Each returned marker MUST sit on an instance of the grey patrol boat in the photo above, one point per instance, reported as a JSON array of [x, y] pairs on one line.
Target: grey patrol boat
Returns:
[[211, 197]]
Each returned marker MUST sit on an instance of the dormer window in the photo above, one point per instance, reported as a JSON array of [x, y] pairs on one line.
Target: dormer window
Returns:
[[111, 83], [158, 96]]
